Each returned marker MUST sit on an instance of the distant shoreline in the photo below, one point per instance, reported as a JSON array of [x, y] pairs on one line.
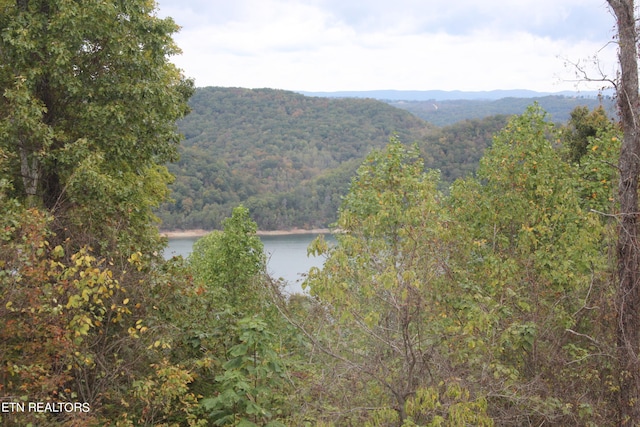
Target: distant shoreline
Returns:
[[186, 234]]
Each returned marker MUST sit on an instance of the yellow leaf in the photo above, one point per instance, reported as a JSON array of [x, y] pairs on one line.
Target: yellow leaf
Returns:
[[58, 252]]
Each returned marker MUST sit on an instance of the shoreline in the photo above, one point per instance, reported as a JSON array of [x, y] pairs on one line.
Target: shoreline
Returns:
[[186, 234]]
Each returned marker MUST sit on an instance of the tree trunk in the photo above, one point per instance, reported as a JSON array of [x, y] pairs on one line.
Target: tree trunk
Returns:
[[30, 171], [628, 291]]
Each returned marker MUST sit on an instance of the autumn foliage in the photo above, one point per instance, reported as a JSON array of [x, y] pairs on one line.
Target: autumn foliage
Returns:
[[488, 302]]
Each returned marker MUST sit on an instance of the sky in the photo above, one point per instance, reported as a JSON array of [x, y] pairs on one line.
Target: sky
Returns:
[[354, 45]]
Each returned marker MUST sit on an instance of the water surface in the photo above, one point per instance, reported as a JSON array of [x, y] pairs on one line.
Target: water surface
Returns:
[[286, 256]]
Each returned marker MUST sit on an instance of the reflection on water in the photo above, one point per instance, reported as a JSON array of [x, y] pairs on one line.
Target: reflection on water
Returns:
[[286, 256]]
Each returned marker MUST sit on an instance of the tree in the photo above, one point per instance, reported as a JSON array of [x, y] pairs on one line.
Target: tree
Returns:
[[628, 251], [73, 331], [533, 259], [88, 108], [87, 114], [591, 143], [232, 262], [232, 328], [385, 289], [582, 126]]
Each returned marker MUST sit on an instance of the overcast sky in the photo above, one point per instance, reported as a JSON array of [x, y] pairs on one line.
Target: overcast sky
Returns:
[[333, 45]]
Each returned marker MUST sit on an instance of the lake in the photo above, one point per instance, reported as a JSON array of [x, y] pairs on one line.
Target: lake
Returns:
[[286, 256]]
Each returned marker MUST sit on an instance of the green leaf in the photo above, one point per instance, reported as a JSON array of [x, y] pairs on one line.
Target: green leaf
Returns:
[[246, 423]]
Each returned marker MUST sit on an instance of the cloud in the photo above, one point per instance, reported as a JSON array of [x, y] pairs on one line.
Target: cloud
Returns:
[[377, 44]]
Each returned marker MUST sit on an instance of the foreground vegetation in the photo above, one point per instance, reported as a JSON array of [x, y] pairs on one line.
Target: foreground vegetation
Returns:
[[491, 303]]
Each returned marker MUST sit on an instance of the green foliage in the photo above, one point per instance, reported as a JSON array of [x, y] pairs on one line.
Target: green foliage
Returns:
[[383, 282], [87, 115], [456, 149], [232, 260], [88, 110], [74, 330], [294, 153], [535, 262], [251, 378], [232, 334], [299, 153], [582, 127], [442, 405], [474, 308], [166, 397], [449, 404], [595, 145], [491, 305]]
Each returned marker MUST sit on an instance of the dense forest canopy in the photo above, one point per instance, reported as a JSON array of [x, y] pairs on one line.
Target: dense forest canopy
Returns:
[[262, 147], [290, 158]]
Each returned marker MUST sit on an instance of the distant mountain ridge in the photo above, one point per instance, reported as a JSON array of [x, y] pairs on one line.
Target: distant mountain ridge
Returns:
[[443, 95], [448, 112]]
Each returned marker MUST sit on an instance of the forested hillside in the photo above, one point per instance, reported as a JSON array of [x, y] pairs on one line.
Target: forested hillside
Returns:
[[289, 158]]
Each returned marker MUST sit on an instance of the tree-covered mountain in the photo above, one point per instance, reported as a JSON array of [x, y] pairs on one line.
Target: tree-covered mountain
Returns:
[[290, 158], [285, 156]]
